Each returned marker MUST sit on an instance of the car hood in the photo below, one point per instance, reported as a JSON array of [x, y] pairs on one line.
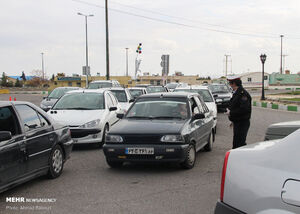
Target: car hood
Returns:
[[138, 126], [76, 117], [283, 128], [49, 102]]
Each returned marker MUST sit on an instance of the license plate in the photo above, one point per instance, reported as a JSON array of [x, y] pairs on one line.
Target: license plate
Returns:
[[139, 151]]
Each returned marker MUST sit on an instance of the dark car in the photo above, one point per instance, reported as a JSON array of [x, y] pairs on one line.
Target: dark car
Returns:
[[31, 144], [222, 95], [57, 93], [165, 127]]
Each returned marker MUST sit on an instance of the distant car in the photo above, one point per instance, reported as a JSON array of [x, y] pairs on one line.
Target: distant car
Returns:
[[104, 84], [31, 144], [262, 178], [207, 97], [136, 92], [171, 86], [57, 93], [156, 89], [92, 111], [222, 95], [167, 127], [124, 98], [281, 130], [142, 85]]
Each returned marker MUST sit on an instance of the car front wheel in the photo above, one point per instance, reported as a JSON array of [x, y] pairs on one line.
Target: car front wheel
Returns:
[[56, 162], [209, 145], [190, 157]]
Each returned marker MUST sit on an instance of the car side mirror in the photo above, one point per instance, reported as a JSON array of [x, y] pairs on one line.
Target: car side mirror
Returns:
[[45, 97], [131, 100], [198, 116], [215, 95], [5, 135], [120, 116], [113, 108]]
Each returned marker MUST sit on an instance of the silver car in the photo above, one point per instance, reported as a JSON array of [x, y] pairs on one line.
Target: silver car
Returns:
[[281, 130], [262, 178]]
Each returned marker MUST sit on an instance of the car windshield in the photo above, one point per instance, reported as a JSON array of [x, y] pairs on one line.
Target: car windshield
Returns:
[[59, 92], [96, 85], [171, 85], [159, 108], [135, 92], [81, 101], [219, 88], [120, 95], [204, 93], [155, 89]]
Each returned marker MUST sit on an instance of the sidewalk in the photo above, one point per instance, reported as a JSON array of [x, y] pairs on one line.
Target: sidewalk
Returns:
[[278, 106]]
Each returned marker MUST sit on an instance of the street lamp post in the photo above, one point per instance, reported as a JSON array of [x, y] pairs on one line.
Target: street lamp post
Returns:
[[86, 48], [263, 58], [127, 61], [43, 69], [281, 36]]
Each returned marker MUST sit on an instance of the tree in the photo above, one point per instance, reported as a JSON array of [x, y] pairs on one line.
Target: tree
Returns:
[[23, 77], [4, 80], [18, 83]]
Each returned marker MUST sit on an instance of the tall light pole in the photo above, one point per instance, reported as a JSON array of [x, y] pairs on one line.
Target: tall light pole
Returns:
[[263, 58], [281, 36], [87, 70], [226, 64], [107, 41], [283, 56], [127, 61], [43, 69]]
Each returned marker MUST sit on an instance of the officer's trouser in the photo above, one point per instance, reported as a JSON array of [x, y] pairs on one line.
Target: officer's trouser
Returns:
[[240, 131]]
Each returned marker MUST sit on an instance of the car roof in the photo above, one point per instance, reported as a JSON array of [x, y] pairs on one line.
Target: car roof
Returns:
[[10, 103], [137, 88], [67, 88], [99, 81], [169, 94], [117, 89], [100, 91], [193, 87]]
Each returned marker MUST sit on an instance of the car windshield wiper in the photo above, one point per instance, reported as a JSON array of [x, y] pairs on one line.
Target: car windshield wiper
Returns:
[[79, 108], [167, 117], [139, 117]]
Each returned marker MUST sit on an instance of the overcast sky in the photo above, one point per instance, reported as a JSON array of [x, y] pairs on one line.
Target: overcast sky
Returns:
[[195, 45]]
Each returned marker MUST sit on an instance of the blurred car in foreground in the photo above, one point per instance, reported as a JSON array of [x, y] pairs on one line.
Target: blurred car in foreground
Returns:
[[222, 95], [136, 92], [262, 178], [104, 84], [207, 97], [57, 93], [31, 144], [124, 98], [88, 113], [167, 127], [281, 130], [156, 89]]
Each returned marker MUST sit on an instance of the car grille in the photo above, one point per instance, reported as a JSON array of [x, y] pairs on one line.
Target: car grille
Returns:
[[141, 139]]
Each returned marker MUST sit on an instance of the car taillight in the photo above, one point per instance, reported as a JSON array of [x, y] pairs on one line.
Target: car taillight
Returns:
[[224, 175]]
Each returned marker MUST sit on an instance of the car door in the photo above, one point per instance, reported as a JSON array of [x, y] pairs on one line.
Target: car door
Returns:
[[112, 115], [206, 125], [11, 154], [196, 124], [39, 137]]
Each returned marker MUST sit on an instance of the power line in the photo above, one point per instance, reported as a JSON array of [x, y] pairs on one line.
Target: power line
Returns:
[[176, 23]]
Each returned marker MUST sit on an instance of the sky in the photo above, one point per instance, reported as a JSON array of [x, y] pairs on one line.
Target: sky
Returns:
[[195, 33]]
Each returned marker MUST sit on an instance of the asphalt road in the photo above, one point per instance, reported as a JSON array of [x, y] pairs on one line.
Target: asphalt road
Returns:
[[88, 185]]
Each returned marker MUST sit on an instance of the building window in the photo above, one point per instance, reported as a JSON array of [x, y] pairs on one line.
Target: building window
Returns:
[[69, 83], [78, 84], [249, 79], [55, 83], [266, 78], [152, 82], [177, 81], [158, 82]]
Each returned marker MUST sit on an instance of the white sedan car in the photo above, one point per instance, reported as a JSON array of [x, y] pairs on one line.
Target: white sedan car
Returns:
[[136, 91], [262, 178], [207, 96], [124, 98], [88, 113]]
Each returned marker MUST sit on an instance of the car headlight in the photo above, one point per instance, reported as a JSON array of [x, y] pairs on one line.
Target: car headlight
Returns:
[[218, 100], [113, 139], [91, 124], [172, 139]]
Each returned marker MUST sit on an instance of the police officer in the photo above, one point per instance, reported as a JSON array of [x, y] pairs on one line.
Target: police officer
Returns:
[[239, 111]]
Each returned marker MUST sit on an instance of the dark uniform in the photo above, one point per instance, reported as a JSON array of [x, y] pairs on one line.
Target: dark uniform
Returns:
[[240, 114]]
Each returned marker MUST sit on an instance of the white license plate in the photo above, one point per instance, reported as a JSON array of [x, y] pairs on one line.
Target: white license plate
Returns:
[[139, 151]]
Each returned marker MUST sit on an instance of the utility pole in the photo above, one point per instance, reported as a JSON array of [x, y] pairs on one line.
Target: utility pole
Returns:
[[107, 41], [226, 64], [284, 55], [281, 36], [127, 61], [43, 69]]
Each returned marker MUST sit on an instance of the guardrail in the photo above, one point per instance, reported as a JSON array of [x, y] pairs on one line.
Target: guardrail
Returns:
[[284, 107]]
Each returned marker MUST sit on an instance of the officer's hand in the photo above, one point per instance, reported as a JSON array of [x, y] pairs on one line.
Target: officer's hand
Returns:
[[227, 112]]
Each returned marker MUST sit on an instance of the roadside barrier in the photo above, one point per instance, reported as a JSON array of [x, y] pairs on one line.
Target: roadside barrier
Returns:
[[275, 106]]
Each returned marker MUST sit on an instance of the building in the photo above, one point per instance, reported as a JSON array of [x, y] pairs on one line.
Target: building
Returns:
[[254, 79], [277, 79]]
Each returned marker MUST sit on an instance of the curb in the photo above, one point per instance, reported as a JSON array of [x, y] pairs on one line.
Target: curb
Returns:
[[274, 106], [29, 92]]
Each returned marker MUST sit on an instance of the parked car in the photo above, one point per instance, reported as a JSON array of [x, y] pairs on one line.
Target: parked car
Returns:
[[57, 93], [142, 85], [167, 127], [31, 144], [281, 130], [262, 178], [136, 92], [171, 86], [156, 89], [92, 111], [124, 98], [207, 97], [104, 84], [222, 95]]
